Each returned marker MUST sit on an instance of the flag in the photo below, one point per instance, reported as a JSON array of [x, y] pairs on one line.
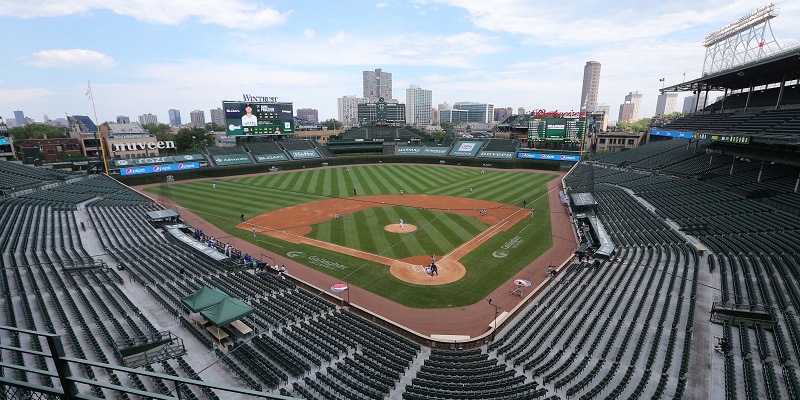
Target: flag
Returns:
[[661, 80], [89, 92]]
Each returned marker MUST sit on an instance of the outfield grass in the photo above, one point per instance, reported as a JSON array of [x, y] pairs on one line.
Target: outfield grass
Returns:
[[256, 195]]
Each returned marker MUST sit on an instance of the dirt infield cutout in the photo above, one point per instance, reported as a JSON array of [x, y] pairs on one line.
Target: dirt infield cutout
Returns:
[[292, 223], [396, 228]]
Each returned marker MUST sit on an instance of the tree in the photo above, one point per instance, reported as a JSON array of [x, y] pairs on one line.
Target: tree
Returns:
[[192, 139], [331, 124], [37, 131], [157, 129]]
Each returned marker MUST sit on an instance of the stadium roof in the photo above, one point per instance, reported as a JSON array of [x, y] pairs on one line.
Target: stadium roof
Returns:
[[773, 69]]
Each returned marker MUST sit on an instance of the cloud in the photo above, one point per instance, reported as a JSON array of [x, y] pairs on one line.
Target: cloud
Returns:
[[234, 14], [20, 95], [382, 4], [70, 58], [309, 33], [558, 23]]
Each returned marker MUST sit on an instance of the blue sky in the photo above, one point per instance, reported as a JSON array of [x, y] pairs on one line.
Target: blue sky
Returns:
[[147, 56]]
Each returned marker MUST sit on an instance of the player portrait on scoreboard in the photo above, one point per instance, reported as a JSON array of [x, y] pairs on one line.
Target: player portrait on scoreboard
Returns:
[[248, 119]]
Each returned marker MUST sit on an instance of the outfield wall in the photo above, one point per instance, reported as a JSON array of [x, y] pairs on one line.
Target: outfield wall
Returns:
[[233, 170]]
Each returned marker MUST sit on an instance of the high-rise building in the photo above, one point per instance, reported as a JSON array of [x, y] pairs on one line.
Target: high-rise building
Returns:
[[377, 84], [625, 112], [435, 116], [174, 117], [418, 106], [476, 112], [148, 118], [448, 114], [348, 109], [689, 103], [602, 108], [634, 98], [217, 116], [591, 85], [311, 114], [198, 118], [502, 113], [666, 103], [19, 118], [121, 119]]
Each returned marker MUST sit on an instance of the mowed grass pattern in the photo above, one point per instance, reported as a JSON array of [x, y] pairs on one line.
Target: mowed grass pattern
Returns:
[[255, 195], [437, 232]]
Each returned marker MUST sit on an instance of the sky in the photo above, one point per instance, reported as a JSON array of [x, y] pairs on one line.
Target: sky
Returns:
[[148, 56]]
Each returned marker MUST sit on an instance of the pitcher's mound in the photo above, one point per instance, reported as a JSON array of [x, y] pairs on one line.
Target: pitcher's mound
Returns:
[[412, 270], [395, 228]]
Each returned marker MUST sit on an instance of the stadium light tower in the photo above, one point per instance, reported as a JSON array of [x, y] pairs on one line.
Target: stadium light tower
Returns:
[[741, 41]]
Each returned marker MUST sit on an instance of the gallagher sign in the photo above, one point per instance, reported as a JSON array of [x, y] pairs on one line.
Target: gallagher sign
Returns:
[[158, 168]]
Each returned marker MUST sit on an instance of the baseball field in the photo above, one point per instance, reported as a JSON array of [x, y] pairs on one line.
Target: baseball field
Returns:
[[346, 223]]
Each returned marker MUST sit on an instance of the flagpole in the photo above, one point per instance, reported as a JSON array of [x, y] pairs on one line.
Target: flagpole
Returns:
[[97, 122]]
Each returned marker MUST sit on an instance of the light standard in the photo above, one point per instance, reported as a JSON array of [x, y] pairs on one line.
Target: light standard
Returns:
[[496, 312]]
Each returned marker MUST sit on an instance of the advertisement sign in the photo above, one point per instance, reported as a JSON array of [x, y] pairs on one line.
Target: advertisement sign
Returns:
[[548, 156], [672, 134], [3, 141], [407, 150], [303, 154], [261, 158], [257, 118], [190, 157], [232, 159], [435, 151], [465, 149], [496, 154], [158, 168], [153, 160], [722, 138]]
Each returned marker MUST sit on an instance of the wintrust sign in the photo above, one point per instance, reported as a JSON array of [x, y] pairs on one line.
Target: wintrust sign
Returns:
[[144, 146]]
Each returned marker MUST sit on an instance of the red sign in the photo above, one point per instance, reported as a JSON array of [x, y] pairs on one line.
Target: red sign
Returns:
[[542, 113]]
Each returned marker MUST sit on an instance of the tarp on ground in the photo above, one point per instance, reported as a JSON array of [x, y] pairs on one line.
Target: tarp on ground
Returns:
[[204, 298], [226, 311]]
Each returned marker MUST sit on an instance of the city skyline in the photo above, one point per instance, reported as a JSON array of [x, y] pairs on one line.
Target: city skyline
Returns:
[[140, 61]]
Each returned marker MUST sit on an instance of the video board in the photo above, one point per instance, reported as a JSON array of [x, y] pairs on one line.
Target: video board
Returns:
[[243, 118], [555, 130]]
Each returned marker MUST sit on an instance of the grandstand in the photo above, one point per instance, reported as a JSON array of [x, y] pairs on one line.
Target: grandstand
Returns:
[[706, 236]]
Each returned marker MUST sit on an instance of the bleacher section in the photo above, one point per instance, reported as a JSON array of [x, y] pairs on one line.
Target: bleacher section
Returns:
[[501, 145], [17, 177]]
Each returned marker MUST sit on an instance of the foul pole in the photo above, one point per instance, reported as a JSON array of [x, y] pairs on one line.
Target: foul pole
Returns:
[[99, 136]]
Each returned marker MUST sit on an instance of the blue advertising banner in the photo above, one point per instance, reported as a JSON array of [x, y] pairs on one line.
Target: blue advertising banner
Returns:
[[3, 141], [674, 134], [158, 168], [546, 156]]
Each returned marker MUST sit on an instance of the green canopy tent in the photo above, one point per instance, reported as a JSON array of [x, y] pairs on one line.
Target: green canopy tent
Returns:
[[204, 298], [226, 311]]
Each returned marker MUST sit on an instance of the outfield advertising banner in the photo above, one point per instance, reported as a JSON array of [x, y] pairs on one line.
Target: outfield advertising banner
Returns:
[[253, 118], [722, 138], [190, 157], [158, 168], [465, 149], [303, 154], [232, 159], [433, 151], [407, 150], [548, 156], [496, 154], [153, 160], [262, 158], [673, 134], [124, 163]]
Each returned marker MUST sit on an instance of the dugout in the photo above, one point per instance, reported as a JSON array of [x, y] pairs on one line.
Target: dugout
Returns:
[[583, 202]]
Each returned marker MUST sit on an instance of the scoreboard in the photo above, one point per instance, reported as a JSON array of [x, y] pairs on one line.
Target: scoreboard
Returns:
[[243, 118], [555, 130]]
